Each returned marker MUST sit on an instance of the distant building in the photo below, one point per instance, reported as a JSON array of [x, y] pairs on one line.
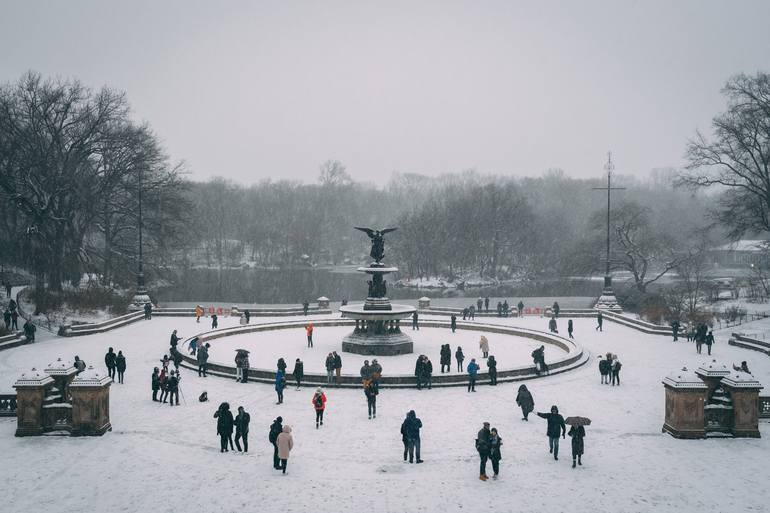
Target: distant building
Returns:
[[742, 253]]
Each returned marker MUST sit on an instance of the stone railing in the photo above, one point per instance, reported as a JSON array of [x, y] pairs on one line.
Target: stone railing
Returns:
[[76, 330], [575, 355], [637, 324], [739, 340], [7, 405], [14, 339]]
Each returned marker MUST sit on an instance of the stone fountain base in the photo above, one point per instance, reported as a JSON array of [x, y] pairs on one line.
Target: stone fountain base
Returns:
[[386, 344]]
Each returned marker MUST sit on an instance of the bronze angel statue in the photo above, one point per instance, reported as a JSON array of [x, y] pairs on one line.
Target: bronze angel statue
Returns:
[[378, 245]]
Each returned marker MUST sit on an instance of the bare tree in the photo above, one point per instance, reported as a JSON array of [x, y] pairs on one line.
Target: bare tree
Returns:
[[333, 173]]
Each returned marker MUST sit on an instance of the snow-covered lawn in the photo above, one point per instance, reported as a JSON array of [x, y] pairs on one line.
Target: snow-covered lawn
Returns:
[[164, 459]]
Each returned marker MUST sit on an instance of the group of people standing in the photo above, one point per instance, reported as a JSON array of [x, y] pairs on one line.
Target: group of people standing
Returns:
[[609, 369]]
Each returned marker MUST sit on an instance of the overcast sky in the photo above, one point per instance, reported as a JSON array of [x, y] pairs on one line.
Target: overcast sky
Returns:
[[251, 90]]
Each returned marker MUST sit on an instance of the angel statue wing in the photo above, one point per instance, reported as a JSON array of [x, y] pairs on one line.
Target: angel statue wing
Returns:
[[387, 230], [368, 231]]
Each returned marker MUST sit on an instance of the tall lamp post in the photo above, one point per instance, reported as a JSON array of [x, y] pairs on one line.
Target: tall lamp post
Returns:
[[141, 297], [608, 301]]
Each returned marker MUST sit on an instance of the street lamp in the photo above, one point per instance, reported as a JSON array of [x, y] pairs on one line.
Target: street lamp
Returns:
[[141, 297]]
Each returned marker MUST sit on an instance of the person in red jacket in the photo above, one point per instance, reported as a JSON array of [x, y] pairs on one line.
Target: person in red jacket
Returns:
[[319, 404], [309, 330]]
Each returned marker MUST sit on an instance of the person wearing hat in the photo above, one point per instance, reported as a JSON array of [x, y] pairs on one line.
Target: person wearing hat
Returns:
[[319, 405], [482, 446]]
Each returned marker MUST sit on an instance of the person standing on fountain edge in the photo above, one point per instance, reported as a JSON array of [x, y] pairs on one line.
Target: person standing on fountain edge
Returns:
[[570, 328], [555, 426], [337, 366], [446, 358], [492, 366], [460, 357], [319, 405], [453, 322]]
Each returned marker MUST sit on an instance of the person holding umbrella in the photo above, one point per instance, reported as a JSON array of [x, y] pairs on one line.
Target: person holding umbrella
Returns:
[[555, 426], [577, 432]]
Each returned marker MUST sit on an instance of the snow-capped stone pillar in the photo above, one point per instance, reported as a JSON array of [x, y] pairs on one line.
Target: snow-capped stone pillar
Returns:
[[686, 396], [423, 303], [90, 392], [30, 395], [323, 303], [744, 391]]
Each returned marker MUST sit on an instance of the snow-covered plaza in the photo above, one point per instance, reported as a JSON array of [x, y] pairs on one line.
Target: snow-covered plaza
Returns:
[[161, 459]]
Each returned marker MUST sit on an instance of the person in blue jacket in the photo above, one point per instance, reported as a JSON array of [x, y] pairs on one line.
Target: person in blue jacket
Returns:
[[473, 369], [280, 384]]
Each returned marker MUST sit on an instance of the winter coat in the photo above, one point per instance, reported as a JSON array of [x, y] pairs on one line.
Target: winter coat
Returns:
[[482, 441], [427, 368], [556, 424], [419, 365], [446, 355], [484, 344], [319, 405], [538, 355], [494, 447], [604, 367], [241, 423], [109, 359], [577, 433], [174, 340], [225, 422], [280, 381], [155, 381], [616, 366], [376, 370], [329, 363], [459, 356], [309, 330], [366, 372], [80, 365], [203, 355], [120, 363], [473, 369], [285, 443], [299, 370], [172, 385], [371, 393], [492, 365], [524, 399], [275, 429], [570, 326], [337, 361], [281, 365], [453, 321], [410, 428], [198, 311]]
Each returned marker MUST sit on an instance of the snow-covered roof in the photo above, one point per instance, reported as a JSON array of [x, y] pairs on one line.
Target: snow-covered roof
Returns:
[[60, 368], [91, 378], [744, 245], [322, 298], [741, 380], [684, 378], [33, 378], [712, 369]]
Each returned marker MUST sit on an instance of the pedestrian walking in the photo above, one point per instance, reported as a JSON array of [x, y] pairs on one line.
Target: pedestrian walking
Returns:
[[109, 362], [280, 384], [410, 432], [203, 359], [460, 357], [525, 402], [453, 323], [299, 372], [570, 328], [446, 358], [675, 330], [371, 399], [319, 405], [473, 369], [337, 367], [309, 332], [492, 366], [276, 428], [552, 325], [225, 423], [709, 341], [147, 311], [484, 346], [329, 368], [577, 433], [155, 383], [214, 321], [495, 442], [482, 447], [241, 423], [285, 445], [599, 321], [120, 366], [555, 427], [198, 313], [415, 324]]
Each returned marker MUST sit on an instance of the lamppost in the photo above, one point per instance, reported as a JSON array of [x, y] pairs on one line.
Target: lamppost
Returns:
[[608, 301], [141, 297]]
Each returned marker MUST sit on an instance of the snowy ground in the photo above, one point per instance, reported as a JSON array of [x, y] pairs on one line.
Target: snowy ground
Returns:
[[165, 459], [290, 344]]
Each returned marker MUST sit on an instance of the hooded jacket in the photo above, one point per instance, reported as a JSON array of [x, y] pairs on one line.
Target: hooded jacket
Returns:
[[285, 443]]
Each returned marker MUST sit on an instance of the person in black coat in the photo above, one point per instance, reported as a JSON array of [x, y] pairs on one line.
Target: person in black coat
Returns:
[[172, 385], [492, 366], [410, 431], [281, 365], [147, 311], [415, 323], [174, 340], [247, 314], [460, 357], [225, 424], [599, 321], [120, 366], [538, 356], [525, 401], [482, 446], [555, 427], [109, 361], [29, 330], [494, 451], [214, 324], [577, 433], [299, 371], [446, 358], [453, 322], [371, 398], [419, 371], [427, 372], [155, 383], [241, 423], [275, 429], [570, 328]]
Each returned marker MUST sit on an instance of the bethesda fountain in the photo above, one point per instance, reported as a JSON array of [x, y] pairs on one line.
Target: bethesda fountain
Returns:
[[378, 329]]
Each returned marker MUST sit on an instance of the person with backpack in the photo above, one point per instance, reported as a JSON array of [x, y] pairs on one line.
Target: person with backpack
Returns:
[[460, 357], [280, 384], [525, 402], [492, 366], [225, 423], [410, 432], [555, 426], [275, 429], [155, 383], [109, 362], [473, 369], [299, 371], [285, 444], [371, 398], [482, 446], [615, 369], [319, 405], [120, 366], [241, 423]]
